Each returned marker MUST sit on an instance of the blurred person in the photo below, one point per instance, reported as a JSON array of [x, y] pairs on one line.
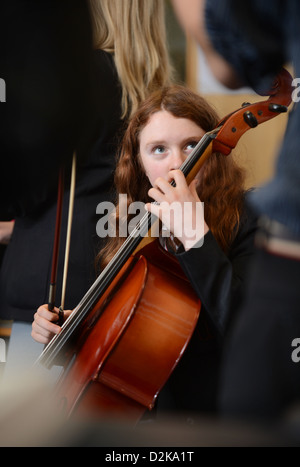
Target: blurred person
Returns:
[[248, 44], [47, 97]]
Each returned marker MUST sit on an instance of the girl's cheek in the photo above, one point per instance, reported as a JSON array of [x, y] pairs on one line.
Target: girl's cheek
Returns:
[[155, 170], [162, 171], [153, 175]]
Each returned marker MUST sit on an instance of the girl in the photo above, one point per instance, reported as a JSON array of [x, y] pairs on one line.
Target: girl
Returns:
[[160, 136]]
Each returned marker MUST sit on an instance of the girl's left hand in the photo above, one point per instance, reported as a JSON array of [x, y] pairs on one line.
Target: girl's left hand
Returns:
[[179, 208]]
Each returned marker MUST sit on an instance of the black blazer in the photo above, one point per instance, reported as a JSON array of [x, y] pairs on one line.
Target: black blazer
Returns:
[[219, 281], [26, 269]]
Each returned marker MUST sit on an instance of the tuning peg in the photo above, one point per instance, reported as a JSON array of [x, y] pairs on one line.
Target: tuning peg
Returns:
[[278, 108], [250, 119]]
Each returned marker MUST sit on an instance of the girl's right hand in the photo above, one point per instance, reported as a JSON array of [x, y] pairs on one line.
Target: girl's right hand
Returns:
[[43, 326], [6, 230]]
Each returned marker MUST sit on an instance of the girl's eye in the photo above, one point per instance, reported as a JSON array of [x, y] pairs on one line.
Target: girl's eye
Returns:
[[158, 150], [190, 146]]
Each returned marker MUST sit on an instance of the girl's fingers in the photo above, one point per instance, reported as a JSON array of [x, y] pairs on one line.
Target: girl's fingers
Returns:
[[38, 338], [41, 334], [154, 209], [45, 313], [163, 186], [156, 194], [164, 191], [178, 178], [43, 326]]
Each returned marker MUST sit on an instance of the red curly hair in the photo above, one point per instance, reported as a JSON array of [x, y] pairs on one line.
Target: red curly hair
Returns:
[[221, 186]]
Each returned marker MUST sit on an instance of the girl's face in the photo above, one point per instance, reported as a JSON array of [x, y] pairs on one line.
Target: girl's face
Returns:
[[165, 143]]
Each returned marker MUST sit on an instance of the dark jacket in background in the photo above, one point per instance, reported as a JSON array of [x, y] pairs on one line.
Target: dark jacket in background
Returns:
[[25, 273]]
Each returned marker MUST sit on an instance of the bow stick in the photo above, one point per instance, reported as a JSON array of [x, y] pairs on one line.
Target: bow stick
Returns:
[[68, 236], [52, 289]]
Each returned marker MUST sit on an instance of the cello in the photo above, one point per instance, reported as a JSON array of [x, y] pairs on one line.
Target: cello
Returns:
[[122, 341]]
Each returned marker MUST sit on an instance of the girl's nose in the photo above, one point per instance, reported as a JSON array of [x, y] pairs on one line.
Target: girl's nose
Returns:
[[178, 157]]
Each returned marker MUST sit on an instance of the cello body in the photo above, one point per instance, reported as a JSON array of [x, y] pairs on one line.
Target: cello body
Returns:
[[133, 338]]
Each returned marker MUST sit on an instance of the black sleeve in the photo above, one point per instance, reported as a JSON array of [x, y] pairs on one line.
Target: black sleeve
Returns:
[[217, 278], [45, 56], [250, 37]]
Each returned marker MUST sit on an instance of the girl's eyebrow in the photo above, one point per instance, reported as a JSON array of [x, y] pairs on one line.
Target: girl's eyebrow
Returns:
[[193, 138], [184, 141], [156, 143], [153, 144]]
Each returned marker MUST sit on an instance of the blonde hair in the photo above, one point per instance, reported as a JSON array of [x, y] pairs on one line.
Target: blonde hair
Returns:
[[134, 32]]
